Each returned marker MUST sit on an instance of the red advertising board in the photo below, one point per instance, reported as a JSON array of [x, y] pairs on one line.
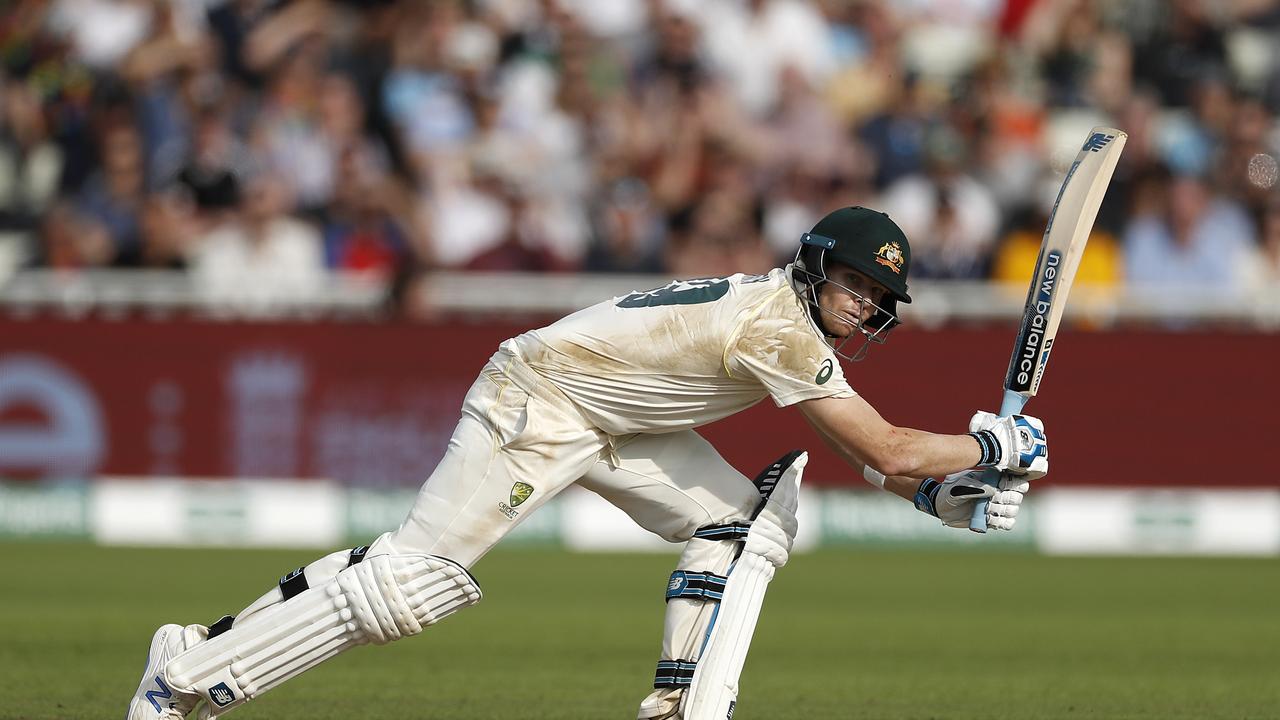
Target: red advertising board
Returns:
[[374, 404]]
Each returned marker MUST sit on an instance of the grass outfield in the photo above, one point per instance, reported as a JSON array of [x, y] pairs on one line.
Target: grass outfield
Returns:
[[843, 634]]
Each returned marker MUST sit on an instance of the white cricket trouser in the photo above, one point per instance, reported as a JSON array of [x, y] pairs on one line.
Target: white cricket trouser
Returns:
[[516, 427], [519, 442]]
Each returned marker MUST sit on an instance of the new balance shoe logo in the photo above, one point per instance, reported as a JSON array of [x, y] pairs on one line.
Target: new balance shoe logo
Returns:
[[164, 693], [221, 695]]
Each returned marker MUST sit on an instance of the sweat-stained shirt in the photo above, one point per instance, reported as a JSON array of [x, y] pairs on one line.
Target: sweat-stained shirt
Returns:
[[686, 354]]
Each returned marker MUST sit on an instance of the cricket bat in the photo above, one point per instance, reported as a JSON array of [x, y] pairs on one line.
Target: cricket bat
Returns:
[[1065, 236]]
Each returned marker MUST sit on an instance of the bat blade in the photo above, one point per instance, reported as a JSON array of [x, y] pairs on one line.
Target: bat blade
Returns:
[[1065, 237]]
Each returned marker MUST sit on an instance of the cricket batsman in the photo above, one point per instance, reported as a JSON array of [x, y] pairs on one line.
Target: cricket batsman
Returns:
[[609, 398]]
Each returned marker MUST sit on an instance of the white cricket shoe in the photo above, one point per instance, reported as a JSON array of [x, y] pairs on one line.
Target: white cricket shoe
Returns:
[[155, 699]]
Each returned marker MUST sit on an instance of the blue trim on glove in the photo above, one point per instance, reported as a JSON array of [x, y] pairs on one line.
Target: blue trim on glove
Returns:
[[927, 496]]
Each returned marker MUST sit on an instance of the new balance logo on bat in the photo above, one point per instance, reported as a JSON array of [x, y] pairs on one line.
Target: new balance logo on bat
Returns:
[[1097, 141], [1032, 343]]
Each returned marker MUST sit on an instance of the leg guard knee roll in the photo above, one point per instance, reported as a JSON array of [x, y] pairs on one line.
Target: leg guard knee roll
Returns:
[[389, 602], [385, 598]]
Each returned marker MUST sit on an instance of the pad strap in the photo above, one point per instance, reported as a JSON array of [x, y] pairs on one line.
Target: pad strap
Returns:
[[220, 626], [357, 555], [730, 531], [696, 585], [674, 673], [294, 584]]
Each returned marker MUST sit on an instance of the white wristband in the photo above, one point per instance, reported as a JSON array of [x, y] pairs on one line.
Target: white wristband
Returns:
[[873, 476]]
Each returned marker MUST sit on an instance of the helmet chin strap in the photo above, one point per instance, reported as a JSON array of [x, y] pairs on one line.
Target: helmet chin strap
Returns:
[[815, 310]]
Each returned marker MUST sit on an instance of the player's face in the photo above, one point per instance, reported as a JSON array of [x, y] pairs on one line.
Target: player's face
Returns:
[[849, 299]]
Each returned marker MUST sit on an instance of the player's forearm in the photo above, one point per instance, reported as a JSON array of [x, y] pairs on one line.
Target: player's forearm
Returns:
[[900, 485], [917, 454], [861, 436], [903, 487]]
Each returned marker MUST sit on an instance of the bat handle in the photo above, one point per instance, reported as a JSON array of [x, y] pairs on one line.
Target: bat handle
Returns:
[[1012, 403]]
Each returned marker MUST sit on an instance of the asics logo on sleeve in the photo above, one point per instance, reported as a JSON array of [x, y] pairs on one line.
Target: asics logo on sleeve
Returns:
[[825, 372]]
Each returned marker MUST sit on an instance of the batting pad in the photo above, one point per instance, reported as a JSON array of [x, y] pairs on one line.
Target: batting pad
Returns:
[[713, 693], [384, 598], [693, 595]]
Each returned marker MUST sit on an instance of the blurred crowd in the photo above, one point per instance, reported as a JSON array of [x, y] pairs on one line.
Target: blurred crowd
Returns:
[[258, 144]]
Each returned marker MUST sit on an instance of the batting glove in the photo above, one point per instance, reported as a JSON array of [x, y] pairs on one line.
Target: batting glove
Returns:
[[1014, 444], [1002, 511], [951, 500]]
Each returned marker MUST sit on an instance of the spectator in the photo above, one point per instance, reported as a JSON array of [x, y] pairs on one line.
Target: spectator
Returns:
[[69, 241], [113, 196], [214, 169], [246, 49], [1083, 62], [261, 256], [167, 226], [1263, 273], [897, 135], [102, 32], [628, 232], [794, 209], [426, 103], [666, 135], [30, 171], [779, 33], [868, 60], [288, 132], [723, 237], [369, 227], [525, 245], [951, 217], [1187, 47], [1246, 162], [1101, 266], [1192, 237]]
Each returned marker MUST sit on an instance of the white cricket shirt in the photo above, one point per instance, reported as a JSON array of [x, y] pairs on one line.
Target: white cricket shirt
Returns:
[[687, 354]]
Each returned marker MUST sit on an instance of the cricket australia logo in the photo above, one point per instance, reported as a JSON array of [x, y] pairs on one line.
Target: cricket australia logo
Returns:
[[890, 256], [221, 695], [519, 493]]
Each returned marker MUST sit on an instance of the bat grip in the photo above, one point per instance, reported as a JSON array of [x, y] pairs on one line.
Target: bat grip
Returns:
[[1012, 403]]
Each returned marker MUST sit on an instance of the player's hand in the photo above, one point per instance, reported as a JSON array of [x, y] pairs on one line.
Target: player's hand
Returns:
[[1002, 511], [1014, 444], [951, 500]]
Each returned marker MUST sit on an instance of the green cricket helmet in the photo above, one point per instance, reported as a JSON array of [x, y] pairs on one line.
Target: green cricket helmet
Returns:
[[869, 242]]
